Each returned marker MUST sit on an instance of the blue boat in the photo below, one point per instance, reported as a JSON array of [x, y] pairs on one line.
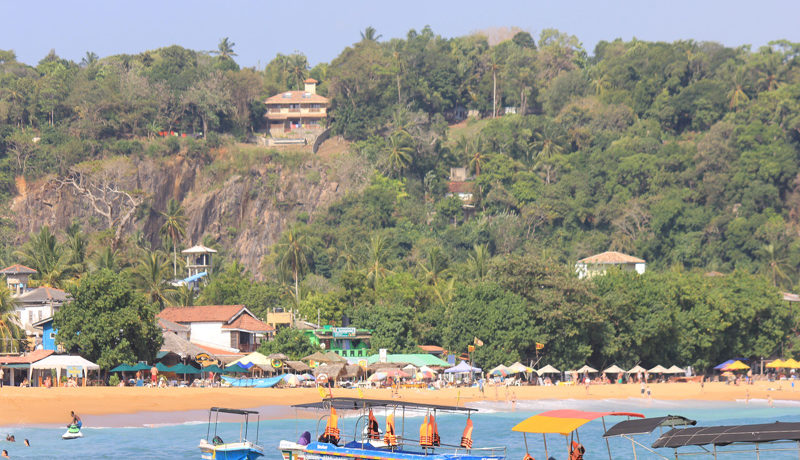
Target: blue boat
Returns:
[[242, 449], [368, 441]]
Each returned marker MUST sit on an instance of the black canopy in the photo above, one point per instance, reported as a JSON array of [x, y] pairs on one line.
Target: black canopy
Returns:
[[646, 425], [724, 435], [232, 411], [358, 404]]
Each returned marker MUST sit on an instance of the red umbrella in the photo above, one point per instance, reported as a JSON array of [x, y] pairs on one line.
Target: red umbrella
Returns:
[[395, 373]]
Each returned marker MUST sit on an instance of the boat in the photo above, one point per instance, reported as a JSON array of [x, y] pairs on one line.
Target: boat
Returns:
[[73, 432], [727, 441], [243, 449], [566, 423], [367, 441], [628, 429]]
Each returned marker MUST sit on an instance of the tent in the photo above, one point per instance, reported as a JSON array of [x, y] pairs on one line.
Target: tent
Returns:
[[727, 363], [675, 370], [67, 363], [235, 368], [614, 370], [658, 370], [586, 369], [791, 364], [548, 370], [253, 358], [518, 368], [736, 366], [462, 368], [636, 369], [778, 363]]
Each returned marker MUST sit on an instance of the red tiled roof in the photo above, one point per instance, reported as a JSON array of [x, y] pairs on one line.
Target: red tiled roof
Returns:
[[296, 97], [31, 357], [201, 314], [17, 269], [460, 187], [431, 348], [286, 116], [218, 351], [310, 80], [246, 322], [611, 257]]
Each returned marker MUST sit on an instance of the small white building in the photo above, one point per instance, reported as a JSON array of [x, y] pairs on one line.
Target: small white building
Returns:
[[226, 327], [32, 305], [198, 260], [598, 264]]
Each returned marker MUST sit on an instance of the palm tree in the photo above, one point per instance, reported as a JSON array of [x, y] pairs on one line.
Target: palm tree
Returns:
[[548, 143], [776, 266], [475, 146], [398, 152], [174, 228], [89, 59], [370, 35], [479, 261], [298, 68], [225, 49], [435, 266], [43, 253], [377, 253], [150, 276], [494, 66], [10, 330], [737, 94], [292, 255], [77, 244], [183, 296], [106, 258]]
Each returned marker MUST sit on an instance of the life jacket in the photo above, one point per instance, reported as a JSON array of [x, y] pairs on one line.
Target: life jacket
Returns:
[[425, 438], [435, 439], [466, 438], [389, 437], [331, 434], [372, 427], [528, 457], [576, 451]]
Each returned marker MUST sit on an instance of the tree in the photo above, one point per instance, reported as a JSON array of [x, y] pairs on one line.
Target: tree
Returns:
[[150, 276], [377, 253], [107, 322], [370, 35], [398, 153], [289, 341], [174, 228], [207, 99], [225, 49], [43, 253], [11, 334], [89, 59], [292, 254], [479, 261]]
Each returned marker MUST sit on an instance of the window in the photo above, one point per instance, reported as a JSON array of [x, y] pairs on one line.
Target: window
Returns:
[[52, 336], [30, 316]]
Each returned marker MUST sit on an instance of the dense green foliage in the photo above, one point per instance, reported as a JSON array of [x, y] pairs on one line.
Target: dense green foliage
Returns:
[[685, 154], [108, 322]]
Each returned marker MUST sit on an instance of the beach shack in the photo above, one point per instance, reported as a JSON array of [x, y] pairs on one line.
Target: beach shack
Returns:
[[16, 368], [347, 342]]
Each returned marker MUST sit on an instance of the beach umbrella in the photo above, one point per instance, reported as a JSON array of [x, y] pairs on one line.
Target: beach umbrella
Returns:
[[185, 369], [376, 377], [675, 370], [235, 368], [777, 364], [548, 370], [291, 380], [214, 368], [122, 368], [736, 366], [395, 373], [425, 374], [658, 370], [585, 369], [727, 374], [308, 376], [518, 368], [791, 364], [499, 371], [636, 369], [140, 367], [162, 367], [614, 370]]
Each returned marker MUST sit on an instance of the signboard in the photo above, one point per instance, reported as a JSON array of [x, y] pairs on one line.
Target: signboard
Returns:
[[382, 355], [344, 332], [74, 371]]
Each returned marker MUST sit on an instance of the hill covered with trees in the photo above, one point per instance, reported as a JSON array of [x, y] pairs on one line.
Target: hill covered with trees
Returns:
[[684, 154]]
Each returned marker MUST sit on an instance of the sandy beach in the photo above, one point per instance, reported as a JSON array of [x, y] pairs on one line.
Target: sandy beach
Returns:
[[45, 406]]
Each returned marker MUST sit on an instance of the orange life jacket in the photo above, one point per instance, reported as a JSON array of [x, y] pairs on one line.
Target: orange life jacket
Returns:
[[435, 439], [389, 437], [425, 438], [528, 457], [577, 451], [372, 427], [466, 438], [331, 434]]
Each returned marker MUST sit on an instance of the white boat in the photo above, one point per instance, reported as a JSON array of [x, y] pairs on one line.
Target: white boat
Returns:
[[242, 449]]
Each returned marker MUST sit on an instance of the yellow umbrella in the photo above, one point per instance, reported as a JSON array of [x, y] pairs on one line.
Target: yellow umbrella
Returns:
[[776, 364], [736, 366], [791, 364]]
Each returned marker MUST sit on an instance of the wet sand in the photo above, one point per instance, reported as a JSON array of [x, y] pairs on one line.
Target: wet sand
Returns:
[[52, 405]]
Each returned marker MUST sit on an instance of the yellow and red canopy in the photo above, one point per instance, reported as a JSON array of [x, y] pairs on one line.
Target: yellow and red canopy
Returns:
[[563, 421]]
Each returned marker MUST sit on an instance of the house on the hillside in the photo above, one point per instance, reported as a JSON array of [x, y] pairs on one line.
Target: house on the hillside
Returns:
[[462, 186], [598, 264], [297, 115], [17, 278], [33, 306], [225, 327]]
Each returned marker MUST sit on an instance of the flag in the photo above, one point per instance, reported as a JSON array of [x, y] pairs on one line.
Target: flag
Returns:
[[478, 342], [470, 348], [539, 346], [360, 393]]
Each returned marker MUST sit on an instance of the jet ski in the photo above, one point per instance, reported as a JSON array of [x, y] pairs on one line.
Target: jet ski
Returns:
[[73, 432]]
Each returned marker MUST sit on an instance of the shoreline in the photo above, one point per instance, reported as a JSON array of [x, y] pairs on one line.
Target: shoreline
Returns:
[[45, 406]]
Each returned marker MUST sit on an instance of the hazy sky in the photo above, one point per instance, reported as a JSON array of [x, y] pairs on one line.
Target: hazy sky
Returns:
[[321, 29]]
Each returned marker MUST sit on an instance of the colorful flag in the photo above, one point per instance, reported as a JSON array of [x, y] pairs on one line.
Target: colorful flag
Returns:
[[477, 342], [539, 346]]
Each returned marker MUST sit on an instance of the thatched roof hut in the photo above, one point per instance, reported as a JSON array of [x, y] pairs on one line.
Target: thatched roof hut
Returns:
[[297, 366]]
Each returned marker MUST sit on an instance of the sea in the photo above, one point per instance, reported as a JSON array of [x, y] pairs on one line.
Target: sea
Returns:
[[175, 435]]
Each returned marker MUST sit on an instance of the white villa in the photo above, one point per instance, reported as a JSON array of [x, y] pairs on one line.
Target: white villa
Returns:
[[230, 328], [599, 263], [32, 305]]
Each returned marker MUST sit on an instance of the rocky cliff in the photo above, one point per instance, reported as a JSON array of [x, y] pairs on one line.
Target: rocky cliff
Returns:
[[243, 203]]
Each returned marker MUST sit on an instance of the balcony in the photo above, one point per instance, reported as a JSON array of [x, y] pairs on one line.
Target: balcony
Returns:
[[248, 347]]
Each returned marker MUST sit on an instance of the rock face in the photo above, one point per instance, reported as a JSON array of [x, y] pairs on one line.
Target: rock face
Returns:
[[244, 211]]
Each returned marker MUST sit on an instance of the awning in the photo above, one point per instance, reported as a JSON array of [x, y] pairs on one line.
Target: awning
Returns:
[[728, 434], [16, 366], [646, 425], [563, 421]]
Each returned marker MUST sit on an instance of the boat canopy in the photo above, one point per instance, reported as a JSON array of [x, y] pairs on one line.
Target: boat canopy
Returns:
[[563, 421], [341, 403], [729, 434], [233, 411], [646, 425]]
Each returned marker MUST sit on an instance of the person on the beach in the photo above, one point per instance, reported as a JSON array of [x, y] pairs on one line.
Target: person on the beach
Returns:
[[642, 389], [747, 396], [769, 400], [76, 420], [648, 392], [2, 374], [153, 375]]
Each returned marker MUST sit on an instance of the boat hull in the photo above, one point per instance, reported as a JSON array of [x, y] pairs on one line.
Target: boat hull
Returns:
[[325, 451], [230, 451]]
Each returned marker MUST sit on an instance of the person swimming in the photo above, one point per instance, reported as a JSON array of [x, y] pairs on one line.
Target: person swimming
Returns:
[[27, 443], [76, 420], [5, 454], [10, 438]]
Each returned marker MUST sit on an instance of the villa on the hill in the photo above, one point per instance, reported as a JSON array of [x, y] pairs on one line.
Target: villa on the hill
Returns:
[[225, 327], [297, 115], [599, 263]]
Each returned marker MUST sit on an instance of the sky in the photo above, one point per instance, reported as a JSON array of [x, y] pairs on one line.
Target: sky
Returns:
[[322, 29]]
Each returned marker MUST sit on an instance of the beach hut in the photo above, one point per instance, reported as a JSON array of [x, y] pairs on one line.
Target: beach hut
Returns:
[[614, 370], [253, 358], [659, 369], [547, 370], [636, 369], [463, 368], [586, 370], [72, 366], [675, 370], [519, 368]]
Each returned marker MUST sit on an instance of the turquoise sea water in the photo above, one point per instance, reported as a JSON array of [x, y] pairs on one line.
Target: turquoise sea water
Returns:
[[176, 435]]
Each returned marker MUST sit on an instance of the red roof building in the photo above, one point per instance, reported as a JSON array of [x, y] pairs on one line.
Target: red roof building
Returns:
[[232, 328], [296, 110]]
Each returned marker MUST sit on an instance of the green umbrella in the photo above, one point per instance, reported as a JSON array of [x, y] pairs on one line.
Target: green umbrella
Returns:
[[123, 368], [214, 368], [163, 367], [140, 367], [235, 369], [184, 369]]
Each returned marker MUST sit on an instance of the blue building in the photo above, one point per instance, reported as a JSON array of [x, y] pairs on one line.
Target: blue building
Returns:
[[48, 333]]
